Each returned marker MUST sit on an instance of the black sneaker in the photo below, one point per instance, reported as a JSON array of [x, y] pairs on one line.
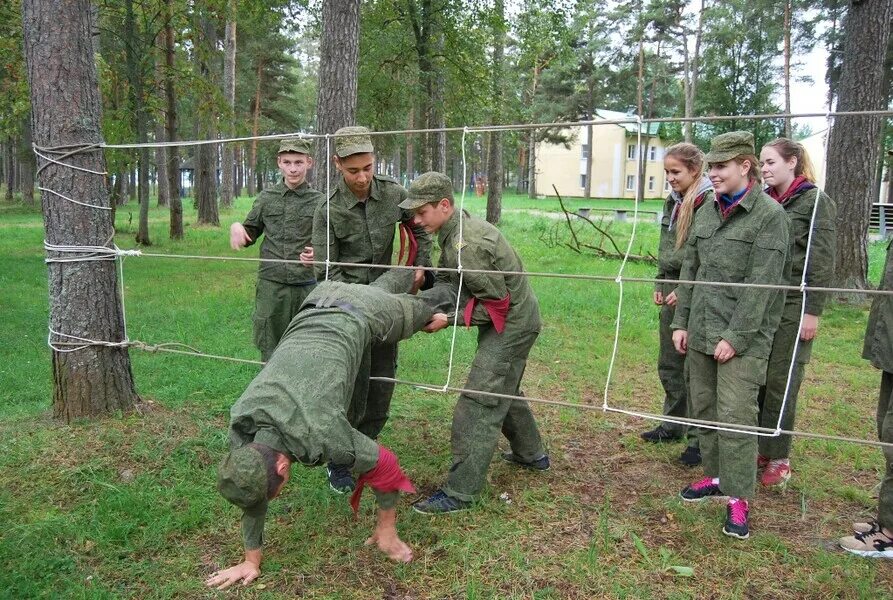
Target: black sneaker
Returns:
[[440, 504], [658, 435], [540, 464], [702, 490], [690, 457], [340, 478], [736, 519]]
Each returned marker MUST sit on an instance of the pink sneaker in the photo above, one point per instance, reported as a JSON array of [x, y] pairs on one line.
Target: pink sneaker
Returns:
[[777, 473], [762, 462]]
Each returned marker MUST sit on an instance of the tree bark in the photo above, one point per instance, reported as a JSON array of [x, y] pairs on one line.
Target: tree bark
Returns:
[[494, 164], [206, 154], [788, 131], [160, 157], [170, 126], [227, 165], [339, 53], [854, 140], [10, 171], [255, 129], [135, 76], [693, 74], [84, 300]]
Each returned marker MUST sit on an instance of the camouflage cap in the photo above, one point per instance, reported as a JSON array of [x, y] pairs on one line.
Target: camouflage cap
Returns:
[[299, 145], [428, 187], [352, 140], [242, 478], [727, 146]]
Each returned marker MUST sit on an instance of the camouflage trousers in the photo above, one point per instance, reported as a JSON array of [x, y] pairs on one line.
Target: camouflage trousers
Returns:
[[379, 393], [671, 370], [275, 305], [772, 394], [498, 367], [885, 434], [727, 393]]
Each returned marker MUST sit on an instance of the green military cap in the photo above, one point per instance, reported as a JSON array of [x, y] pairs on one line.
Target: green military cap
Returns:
[[299, 145], [727, 146], [428, 187], [242, 478], [352, 140]]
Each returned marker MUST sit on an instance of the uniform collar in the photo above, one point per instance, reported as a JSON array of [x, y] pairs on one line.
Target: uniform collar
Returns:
[[351, 199], [447, 229], [281, 188]]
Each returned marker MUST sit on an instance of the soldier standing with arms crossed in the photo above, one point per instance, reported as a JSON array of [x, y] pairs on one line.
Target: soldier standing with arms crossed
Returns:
[[357, 226], [284, 215]]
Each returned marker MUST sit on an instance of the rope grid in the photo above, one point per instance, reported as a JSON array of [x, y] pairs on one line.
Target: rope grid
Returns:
[[111, 252]]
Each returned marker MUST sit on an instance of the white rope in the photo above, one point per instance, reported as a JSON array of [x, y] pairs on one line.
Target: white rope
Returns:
[[459, 270], [328, 205], [37, 151], [64, 197], [90, 253], [629, 246]]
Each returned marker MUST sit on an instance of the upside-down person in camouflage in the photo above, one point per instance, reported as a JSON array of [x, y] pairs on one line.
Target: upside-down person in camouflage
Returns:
[[301, 406], [506, 313], [357, 225]]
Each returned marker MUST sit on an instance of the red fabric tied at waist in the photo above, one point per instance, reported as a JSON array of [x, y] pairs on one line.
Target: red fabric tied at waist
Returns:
[[407, 238], [497, 309], [385, 476]]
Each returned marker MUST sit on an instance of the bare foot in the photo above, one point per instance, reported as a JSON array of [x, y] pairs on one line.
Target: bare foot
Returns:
[[390, 544]]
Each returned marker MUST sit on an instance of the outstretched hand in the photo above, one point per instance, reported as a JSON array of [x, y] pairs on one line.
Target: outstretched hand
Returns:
[[246, 572]]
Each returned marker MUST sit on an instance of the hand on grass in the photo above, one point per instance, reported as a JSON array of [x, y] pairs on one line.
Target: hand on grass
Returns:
[[246, 572]]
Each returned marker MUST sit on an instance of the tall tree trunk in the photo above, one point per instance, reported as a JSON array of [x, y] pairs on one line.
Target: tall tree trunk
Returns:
[[531, 165], [494, 164], [137, 104], [26, 163], [206, 154], [410, 155], [693, 74], [170, 126], [10, 170], [227, 166], [84, 300], [160, 156], [853, 145], [239, 160], [339, 52], [255, 130], [788, 8]]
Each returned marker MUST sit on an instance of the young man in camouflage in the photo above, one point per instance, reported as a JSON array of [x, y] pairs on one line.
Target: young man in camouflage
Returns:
[[283, 214], [506, 313], [357, 226], [301, 406], [875, 538]]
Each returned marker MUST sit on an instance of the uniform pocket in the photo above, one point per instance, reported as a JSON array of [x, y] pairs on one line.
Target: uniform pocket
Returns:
[[487, 375]]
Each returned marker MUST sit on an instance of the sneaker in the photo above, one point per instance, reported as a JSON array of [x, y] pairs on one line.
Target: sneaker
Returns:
[[690, 457], [869, 545], [736, 525], [762, 462], [776, 473], [439, 504], [867, 527], [540, 464], [702, 490], [340, 478], [659, 434]]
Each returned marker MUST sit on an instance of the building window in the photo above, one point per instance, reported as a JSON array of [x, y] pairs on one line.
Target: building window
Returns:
[[630, 183], [652, 153], [666, 185], [631, 151], [651, 179], [585, 151], [582, 180]]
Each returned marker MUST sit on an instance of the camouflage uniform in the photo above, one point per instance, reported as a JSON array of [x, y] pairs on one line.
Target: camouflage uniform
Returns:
[[499, 362], [303, 403], [820, 274], [363, 232], [748, 245], [284, 216], [671, 364], [879, 350]]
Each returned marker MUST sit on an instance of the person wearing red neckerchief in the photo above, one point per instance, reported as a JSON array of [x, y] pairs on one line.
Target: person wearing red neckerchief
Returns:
[[788, 175], [506, 313], [726, 331]]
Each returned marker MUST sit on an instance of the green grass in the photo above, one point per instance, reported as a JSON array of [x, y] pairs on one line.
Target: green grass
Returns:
[[125, 506]]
